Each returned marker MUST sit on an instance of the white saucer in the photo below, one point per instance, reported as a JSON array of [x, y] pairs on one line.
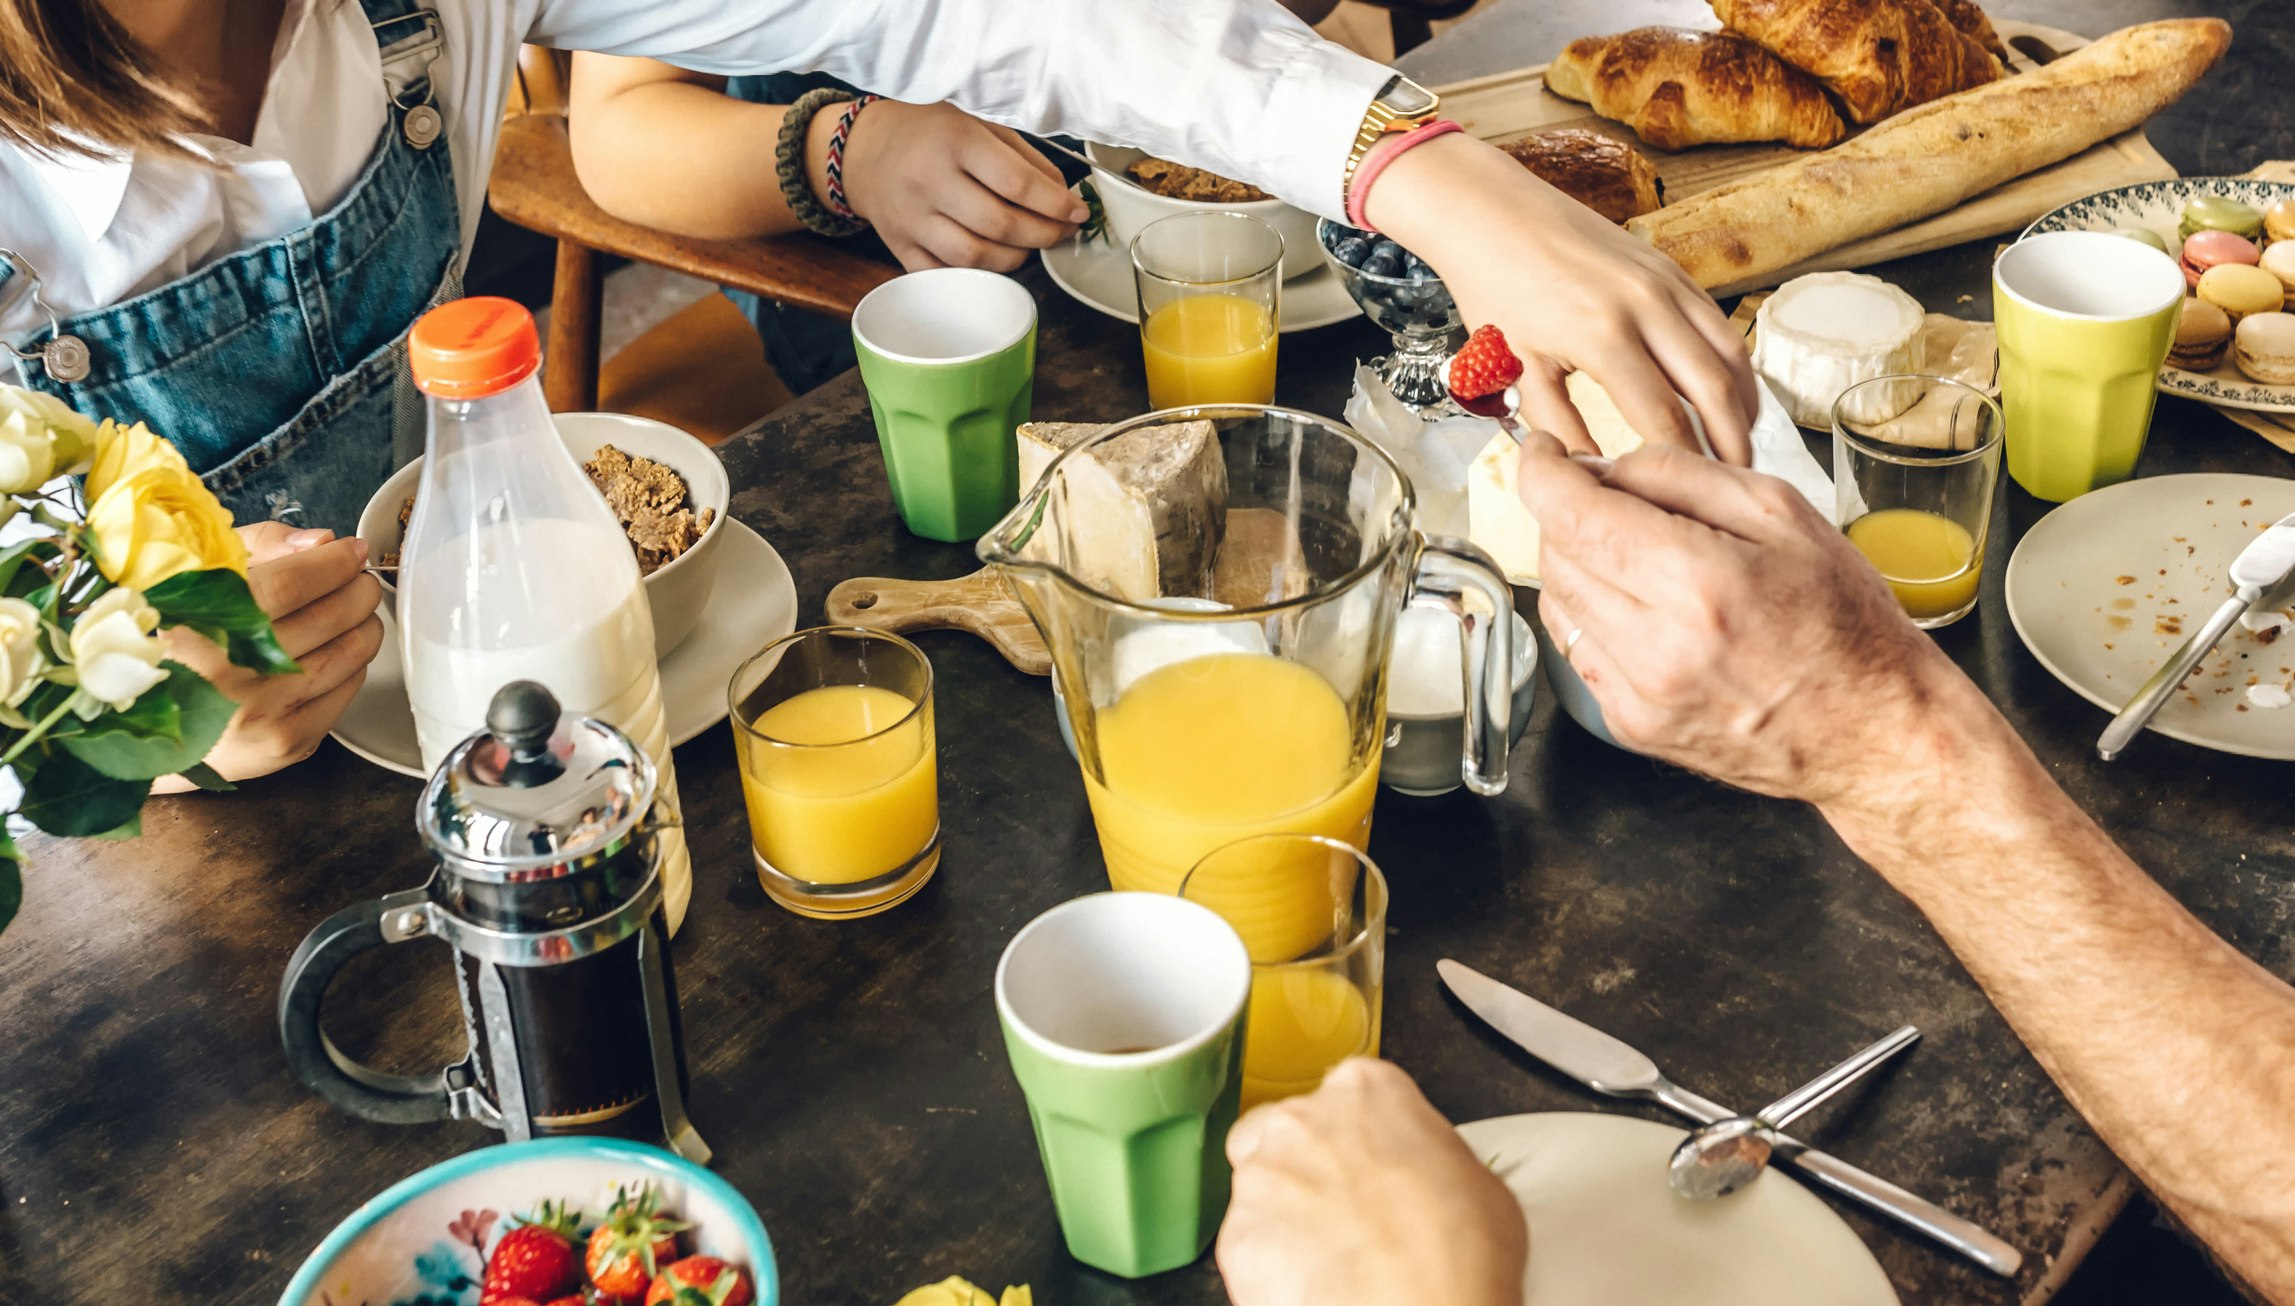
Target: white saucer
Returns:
[[755, 603], [1098, 274], [1606, 1230]]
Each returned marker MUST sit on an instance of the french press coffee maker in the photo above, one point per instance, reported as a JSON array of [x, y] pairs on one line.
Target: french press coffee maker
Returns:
[[548, 888]]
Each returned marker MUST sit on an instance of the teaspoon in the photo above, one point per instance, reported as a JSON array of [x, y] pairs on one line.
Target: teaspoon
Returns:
[[1720, 1158]]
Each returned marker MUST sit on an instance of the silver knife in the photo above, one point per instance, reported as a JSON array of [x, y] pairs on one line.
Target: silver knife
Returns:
[[1606, 1065], [2260, 571]]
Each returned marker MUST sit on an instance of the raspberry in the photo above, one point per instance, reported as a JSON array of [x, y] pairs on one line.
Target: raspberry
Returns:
[[1484, 366]]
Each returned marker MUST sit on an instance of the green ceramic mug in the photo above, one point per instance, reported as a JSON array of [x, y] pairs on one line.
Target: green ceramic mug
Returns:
[[1123, 1015], [949, 358], [2085, 320]]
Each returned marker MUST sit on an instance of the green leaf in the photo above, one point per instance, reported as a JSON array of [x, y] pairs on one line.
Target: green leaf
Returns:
[[164, 732], [207, 777], [217, 605], [67, 797], [11, 879], [12, 562]]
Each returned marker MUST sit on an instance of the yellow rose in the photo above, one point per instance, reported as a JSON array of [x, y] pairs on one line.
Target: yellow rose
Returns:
[[117, 651], [157, 522], [955, 1291], [40, 438], [122, 451]]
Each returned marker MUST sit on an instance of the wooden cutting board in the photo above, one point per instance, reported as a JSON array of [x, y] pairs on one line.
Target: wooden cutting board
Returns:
[[981, 603], [1504, 106]]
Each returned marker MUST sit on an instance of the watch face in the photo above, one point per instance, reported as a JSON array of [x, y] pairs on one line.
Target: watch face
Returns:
[[1409, 99]]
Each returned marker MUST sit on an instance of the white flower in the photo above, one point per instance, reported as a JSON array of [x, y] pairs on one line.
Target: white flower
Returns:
[[116, 650], [41, 438], [21, 660]]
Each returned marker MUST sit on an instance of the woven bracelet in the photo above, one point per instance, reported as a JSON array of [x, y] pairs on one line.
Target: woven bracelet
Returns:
[[789, 166]]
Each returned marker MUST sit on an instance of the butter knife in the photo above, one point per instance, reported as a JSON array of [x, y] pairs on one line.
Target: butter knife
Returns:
[[1606, 1065]]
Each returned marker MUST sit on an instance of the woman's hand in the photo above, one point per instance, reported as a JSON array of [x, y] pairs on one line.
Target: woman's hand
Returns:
[[1361, 1192], [322, 605], [1573, 293], [945, 189]]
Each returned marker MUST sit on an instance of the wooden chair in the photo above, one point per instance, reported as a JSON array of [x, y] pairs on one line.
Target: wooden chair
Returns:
[[534, 186]]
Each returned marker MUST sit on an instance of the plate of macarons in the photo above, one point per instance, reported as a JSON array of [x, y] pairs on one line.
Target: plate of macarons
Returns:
[[2235, 238]]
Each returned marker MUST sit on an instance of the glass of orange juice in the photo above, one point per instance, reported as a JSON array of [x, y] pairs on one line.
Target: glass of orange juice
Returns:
[[1210, 294], [1916, 463], [834, 731], [1314, 1002]]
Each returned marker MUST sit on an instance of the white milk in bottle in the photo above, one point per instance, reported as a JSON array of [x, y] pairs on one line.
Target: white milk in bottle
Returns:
[[513, 567]]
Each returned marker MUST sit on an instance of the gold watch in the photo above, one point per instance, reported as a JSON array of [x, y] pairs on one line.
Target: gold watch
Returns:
[[1400, 105]]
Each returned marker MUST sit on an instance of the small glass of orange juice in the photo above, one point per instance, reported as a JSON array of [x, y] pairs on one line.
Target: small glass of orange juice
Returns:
[[1916, 463], [834, 731], [1312, 1006], [1210, 298]]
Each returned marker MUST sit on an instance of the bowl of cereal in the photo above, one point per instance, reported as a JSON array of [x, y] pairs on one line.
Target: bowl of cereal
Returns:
[[667, 488], [1158, 188]]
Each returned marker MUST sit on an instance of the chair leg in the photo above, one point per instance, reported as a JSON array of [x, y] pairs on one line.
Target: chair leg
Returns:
[[577, 306], [1411, 31]]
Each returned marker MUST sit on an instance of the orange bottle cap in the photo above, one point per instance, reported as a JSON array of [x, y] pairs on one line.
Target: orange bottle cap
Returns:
[[472, 348]]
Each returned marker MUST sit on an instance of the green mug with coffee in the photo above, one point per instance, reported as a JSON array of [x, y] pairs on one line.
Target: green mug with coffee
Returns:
[[949, 359], [1123, 1016]]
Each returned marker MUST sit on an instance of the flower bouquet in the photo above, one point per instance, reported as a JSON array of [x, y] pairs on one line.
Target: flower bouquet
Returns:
[[91, 709]]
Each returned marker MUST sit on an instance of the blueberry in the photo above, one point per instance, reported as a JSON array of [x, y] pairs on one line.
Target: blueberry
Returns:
[[1389, 248], [1381, 263], [1419, 273], [1351, 250]]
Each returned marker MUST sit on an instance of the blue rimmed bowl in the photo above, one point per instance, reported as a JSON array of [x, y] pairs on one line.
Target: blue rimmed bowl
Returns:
[[423, 1240]]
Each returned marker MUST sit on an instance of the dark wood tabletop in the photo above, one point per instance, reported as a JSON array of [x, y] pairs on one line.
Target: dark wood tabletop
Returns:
[[153, 1145]]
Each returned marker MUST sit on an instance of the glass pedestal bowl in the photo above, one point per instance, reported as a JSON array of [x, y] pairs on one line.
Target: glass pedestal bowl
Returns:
[[1411, 304]]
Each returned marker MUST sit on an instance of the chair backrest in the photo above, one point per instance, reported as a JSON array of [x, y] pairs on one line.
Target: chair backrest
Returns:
[[543, 75]]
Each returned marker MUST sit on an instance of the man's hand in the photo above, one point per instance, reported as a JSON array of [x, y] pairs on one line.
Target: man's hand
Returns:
[[322, 605], [1362, 1192], [1573, 293], [945, 189], [1724, 625]]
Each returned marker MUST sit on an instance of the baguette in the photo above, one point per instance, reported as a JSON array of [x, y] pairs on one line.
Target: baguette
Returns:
[[1927, 159]]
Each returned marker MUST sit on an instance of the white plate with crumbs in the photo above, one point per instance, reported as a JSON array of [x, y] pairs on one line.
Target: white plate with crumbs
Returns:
[[2103, 589], [1606, 1229], [1098, 274]]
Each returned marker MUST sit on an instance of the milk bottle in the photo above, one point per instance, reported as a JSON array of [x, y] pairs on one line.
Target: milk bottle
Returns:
[[513, 567]]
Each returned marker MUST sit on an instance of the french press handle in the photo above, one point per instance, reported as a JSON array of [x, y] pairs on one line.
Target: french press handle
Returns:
[[361, 1090]]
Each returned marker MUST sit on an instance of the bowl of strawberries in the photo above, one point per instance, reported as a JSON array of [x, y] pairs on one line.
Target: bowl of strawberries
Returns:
[[553, 1222]]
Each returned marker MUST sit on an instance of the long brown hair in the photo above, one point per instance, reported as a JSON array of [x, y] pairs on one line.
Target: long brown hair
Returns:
[[73, 82]]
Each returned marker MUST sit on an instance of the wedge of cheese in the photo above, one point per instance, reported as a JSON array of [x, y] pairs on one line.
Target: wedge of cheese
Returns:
[[1496, 519], [1139, 517]]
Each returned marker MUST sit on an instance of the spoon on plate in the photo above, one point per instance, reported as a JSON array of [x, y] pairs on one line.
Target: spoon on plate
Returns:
[[1718, 1159]]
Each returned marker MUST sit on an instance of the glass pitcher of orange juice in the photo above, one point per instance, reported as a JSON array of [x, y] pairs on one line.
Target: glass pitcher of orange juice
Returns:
[[1218, 587]]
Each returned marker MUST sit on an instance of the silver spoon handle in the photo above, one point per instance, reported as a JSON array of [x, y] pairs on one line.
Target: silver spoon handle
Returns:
[[1794, 1105], [2156, 691], [1079, 157]]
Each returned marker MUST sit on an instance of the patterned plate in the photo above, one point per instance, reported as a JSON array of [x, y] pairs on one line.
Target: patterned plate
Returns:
[[2158, 205]]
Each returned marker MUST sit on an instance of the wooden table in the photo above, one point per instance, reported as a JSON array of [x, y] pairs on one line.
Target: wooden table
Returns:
[[154, 1147]]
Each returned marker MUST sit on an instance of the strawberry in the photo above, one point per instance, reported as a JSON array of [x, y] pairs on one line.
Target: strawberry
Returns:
[[535, 1260], [632, 1245], [700, 1281], [1484, 365], [571, 1299]]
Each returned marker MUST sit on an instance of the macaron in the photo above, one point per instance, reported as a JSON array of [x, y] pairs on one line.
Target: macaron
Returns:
[[2220, 213], [2145, 235], [2214, 249], [2265, 348], [2202, 335], [2279, 221], [2279, 261], [2241, 290]]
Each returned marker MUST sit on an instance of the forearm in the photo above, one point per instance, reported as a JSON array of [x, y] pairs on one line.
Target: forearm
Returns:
[[688, 159], [2178, 1050]]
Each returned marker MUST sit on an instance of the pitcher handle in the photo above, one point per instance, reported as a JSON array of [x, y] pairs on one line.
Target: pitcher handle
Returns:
[[1448, 568], [360, 1090]]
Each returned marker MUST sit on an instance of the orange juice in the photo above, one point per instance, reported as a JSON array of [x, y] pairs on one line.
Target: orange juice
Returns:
[[859, 799], [1210, 349], [1201, 753], [1930, 561], [1302, 1023]]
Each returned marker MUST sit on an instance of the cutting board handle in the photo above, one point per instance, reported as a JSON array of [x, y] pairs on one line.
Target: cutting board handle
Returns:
[[981, 603]]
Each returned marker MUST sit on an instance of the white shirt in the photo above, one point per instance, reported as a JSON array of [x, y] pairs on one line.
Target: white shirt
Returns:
[[1237, 86]]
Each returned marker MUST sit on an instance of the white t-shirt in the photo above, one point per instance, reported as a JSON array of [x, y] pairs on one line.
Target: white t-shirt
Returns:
[[1237, 86]]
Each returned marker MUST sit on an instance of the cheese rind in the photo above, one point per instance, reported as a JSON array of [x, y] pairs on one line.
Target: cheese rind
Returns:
[[1138, 517], [1496, 519], [1822, 333]]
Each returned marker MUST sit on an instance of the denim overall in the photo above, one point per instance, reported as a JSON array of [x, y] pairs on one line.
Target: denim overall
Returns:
[[278, 369]]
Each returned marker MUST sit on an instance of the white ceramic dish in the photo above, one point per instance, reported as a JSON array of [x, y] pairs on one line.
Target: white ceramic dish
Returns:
[[755, 603], [678, 592], [1606, 1230], [2158, 206], [1128, 208], [424, 1238], [2174, 537], [1098, 274]]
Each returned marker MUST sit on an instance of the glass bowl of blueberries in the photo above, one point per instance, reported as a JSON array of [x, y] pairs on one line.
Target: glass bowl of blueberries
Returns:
[[1399, 292]]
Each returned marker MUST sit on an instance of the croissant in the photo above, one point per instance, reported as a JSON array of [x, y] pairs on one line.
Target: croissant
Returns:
[[1677, 88], [1964, 15], [1610, 177], [1875, 56]]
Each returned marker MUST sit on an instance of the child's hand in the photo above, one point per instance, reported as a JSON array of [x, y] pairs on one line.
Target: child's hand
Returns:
[[945, 189]]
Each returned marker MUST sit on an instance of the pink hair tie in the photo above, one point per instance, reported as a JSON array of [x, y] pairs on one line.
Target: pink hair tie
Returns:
[[1382, 154]]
